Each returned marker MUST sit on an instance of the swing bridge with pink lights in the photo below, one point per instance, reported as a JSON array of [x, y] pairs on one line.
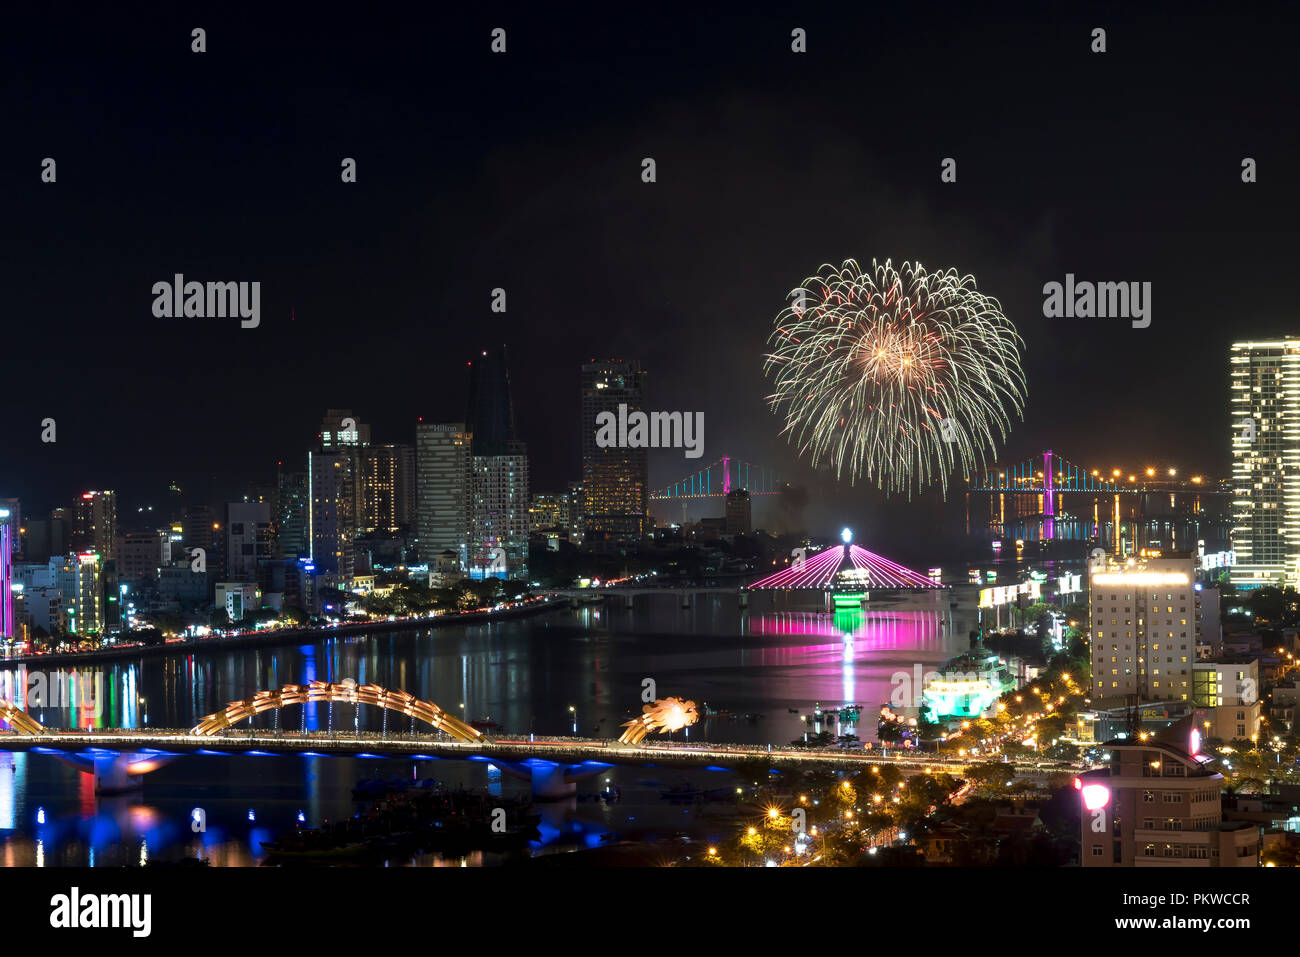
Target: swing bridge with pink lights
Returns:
[[847, 569]]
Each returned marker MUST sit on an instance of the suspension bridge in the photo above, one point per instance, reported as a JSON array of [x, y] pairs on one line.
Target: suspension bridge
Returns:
[[721, 478], [1118, 505], [1051, 474]]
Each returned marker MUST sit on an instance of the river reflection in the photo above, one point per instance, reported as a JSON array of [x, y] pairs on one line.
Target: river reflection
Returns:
[[580, 668]]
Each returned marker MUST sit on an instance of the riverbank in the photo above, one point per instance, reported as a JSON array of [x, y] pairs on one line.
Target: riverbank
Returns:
[[281, 636]]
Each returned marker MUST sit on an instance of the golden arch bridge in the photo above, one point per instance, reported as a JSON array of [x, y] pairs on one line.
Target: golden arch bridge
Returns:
[[119, 758], [347, 692]]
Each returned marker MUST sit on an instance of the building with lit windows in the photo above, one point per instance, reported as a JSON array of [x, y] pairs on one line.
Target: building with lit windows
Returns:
[[7, 629], [443, 471], [140, 555], [94, 524], [291, 522], [1160, 804], [615, 481], [499, 499], [239, 599], [387, 487], [335, 492], [548, 511], [11, 514], [1226, 693], [80, 578], [1143, 629], [498, 545], [1264, 401], [333, 518]]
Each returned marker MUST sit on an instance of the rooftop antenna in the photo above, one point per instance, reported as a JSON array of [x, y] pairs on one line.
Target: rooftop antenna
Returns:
[[1132, 717]]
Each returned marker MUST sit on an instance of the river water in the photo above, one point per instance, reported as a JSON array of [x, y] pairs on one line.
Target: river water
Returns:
[[570, 671]]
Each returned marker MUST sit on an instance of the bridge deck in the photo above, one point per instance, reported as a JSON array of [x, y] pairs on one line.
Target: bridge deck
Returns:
[[504, 748]]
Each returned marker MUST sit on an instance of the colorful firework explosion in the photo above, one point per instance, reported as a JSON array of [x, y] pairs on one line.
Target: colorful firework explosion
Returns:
[[901, 376]]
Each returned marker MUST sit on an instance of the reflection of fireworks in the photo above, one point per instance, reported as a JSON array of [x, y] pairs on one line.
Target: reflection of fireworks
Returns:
[[666, 714], [898, 375]]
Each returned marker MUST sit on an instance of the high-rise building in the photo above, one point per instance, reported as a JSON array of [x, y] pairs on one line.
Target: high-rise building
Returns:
[[333, 511], [739, 513], [291, 519], [1160, 804], [499, 508], [387, 487], [490, 415], [140, 555], [335, 490], [60, 530], [80, 578], [498, 542], [573, 520], [1144, 628], [200, 529], [6, 576], [249, 539], [1264, 379], [615, 481], [94, 523], [444, 471], [11, 514], [340, 429]]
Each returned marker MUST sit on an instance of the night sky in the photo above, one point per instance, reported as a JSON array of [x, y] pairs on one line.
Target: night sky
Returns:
[[523, 171]]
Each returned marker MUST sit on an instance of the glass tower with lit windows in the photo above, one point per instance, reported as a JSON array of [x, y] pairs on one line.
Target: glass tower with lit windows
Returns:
[[615, 481], [1264, 383], [498, 499]]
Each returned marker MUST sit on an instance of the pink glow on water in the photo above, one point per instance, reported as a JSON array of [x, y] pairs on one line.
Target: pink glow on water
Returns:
[[880, 630]]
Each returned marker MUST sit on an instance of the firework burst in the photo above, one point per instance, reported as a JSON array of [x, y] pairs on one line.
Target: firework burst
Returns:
[[896, 375]]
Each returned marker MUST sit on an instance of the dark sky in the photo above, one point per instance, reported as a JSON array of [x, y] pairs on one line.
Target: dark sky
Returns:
[[523, 171]]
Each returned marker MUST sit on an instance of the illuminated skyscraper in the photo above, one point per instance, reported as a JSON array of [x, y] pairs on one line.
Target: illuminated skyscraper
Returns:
[[94, 523], [444, 476], [6, 577], [291, 516], [387, 487], [11, 514], [80, 578], [333, 511], [498, 542], [335, 490], [615, 481], [1265, 406]]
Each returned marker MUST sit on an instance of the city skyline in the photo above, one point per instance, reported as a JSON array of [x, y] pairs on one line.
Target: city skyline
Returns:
[[555, 441], [721, 204]]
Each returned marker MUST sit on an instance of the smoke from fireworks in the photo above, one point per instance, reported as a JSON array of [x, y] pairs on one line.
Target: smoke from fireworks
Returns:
[[901, 376]]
